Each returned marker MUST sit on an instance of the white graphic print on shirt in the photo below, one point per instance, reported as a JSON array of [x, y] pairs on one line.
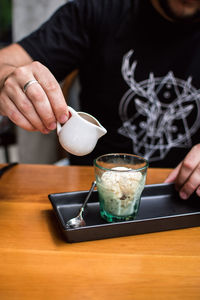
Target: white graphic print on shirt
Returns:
[[158, 113]]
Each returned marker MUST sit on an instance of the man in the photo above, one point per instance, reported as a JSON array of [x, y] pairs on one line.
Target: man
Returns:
[[139, 73]]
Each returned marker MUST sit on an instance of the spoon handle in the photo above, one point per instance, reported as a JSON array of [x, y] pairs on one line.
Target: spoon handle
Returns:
[[87, 198]]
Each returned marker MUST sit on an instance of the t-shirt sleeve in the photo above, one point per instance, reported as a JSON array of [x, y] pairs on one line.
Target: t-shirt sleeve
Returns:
[[62, 43]]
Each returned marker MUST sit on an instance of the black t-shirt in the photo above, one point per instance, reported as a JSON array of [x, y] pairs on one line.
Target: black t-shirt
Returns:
[[139, 74]]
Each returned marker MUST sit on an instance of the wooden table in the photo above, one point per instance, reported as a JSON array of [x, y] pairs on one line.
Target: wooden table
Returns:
[[37, 263]]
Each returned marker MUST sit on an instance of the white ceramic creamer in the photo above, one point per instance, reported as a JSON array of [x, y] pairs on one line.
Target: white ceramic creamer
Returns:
[[80, 133]]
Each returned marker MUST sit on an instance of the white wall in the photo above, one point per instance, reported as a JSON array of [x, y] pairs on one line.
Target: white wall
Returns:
[[29, 14], [34, 147]]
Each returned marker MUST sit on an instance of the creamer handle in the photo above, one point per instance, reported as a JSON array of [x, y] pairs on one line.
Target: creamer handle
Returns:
[[71, 111]]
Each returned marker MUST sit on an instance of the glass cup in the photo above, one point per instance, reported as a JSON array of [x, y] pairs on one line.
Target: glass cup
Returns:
[[120, 180]]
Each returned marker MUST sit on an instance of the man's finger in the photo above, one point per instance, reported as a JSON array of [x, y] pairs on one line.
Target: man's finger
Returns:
[[172, 176], [42, 106], [14, 114], [53, 91], [13, 91], [188, 165], [191, 184]]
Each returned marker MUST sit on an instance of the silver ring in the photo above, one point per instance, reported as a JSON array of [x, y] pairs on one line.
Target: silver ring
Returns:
[[28, 84]]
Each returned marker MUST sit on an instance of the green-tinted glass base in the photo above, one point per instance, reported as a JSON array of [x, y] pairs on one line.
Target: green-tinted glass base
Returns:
[[111, 218]]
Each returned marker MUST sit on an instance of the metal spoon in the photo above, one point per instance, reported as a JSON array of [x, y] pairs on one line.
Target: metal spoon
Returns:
[[78, 221]]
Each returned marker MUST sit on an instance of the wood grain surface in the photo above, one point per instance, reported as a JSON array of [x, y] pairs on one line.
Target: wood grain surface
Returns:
[[37, 263]]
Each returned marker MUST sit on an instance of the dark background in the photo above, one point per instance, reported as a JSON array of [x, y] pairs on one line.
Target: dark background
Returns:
[[5, 22]]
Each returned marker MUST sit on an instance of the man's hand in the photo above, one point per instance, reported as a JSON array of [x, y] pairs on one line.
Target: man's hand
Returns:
[[42, 104], [186, 175]]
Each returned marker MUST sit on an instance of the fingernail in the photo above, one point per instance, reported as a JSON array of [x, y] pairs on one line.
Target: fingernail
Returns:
[[183, 195], [52, 126], [63, 119]]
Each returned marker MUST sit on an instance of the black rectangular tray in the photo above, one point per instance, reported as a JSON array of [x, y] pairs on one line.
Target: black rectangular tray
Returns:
[[160, 209]]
